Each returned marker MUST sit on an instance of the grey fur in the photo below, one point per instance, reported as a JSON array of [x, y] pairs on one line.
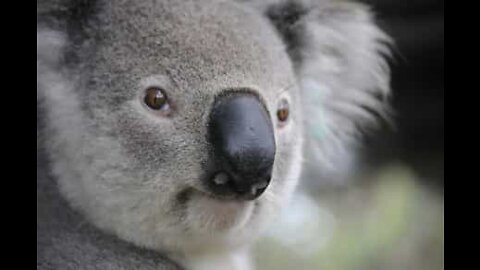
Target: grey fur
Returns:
[[125, 168], [65, 240]]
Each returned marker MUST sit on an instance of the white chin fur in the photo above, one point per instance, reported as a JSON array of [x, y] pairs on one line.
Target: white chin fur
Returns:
[[209, 215]]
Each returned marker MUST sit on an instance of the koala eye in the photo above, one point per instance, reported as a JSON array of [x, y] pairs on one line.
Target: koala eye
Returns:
[[156, 99], [283, 110]]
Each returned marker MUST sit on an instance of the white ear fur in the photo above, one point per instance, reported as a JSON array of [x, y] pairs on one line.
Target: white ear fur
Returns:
[[340, 60], [50, 46], [345, 82]]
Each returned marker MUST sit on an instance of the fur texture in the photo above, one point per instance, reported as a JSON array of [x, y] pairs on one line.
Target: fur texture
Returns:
[[340, 61], [135, 174]]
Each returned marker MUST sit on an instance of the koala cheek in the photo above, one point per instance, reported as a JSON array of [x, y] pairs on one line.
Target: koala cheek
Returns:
[[288, 162]]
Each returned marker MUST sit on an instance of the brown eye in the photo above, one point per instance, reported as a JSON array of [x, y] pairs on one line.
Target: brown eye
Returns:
[[156, 99], [283, 111]]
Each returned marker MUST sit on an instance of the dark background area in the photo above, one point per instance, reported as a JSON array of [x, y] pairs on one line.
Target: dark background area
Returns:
[[417, 27]]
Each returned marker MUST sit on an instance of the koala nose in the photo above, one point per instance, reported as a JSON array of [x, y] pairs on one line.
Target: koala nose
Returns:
[[241, 133]]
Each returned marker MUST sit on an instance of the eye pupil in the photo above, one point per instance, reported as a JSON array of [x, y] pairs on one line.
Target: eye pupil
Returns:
[[155, 99], [282, 115], [283, 111]]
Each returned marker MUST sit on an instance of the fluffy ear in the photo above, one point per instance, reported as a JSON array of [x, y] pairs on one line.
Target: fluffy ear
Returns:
[[60, 29], [339, 57]]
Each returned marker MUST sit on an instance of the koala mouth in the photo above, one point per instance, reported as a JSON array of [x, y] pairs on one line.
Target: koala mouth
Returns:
[[206, 212], [186, 195]]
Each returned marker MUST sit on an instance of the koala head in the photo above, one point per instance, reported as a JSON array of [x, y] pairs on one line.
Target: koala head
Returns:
[[179, 125]]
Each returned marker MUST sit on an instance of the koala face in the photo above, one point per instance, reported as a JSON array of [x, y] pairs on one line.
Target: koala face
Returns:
[[178, 126]]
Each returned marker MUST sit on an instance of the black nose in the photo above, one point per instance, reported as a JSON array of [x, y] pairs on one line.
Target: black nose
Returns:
[[241, 133]]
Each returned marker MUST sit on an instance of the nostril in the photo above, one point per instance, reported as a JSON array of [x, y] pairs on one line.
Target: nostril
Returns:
[[220, 179], [254, 191], [258, 188]]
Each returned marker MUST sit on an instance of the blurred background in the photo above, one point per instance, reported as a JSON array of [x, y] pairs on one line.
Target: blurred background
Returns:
[[391, 215]]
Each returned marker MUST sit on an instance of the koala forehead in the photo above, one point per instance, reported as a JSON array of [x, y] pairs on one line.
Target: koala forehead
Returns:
[[206, 47]]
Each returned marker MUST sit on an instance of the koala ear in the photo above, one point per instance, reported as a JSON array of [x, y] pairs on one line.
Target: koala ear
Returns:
[[339, 57]]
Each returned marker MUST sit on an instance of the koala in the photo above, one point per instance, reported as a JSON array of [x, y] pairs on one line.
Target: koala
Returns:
[[171, 133]]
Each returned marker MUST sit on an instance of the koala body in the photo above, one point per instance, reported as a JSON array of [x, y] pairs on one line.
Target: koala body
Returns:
[[201, 175]]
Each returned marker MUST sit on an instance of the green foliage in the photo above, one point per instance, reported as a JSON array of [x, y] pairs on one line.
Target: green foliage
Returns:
[[394, 220]]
